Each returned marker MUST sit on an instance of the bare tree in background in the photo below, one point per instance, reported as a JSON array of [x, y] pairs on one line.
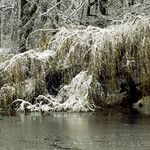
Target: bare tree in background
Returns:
[[0, 29], [56, 19], [131, 2], [24, 21], [28, 10]]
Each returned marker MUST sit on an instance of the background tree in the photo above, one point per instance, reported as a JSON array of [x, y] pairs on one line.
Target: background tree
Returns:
[[23, 21], [28, 13]]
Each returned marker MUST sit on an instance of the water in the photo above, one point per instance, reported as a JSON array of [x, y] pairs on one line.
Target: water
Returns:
[[77, 131]]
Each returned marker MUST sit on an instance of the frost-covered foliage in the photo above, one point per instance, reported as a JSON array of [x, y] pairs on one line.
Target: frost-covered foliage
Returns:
[[111, 55], [6, 54], [74, 64], [72, 97], [25, 73], [84, 68]]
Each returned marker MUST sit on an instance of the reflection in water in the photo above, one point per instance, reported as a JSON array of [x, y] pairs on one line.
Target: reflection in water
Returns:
[[79, 131], [146, 105], [31, 116]]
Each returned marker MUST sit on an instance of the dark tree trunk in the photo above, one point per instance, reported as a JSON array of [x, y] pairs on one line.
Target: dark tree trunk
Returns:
[[0, 30], [26, 15], [44, 18], [22, 46], [131, 2], [102, 4], [90, 4], [56, 19], [103, 7]]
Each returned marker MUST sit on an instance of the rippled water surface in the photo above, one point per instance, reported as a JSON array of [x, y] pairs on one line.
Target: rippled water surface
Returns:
[[77, 131]]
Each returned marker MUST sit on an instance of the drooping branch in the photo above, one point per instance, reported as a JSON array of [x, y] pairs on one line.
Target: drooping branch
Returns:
[[50, 9]]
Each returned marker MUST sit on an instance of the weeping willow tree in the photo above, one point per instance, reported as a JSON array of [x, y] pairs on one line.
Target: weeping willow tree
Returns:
[[113, 56], [74, 66], [84, 69]]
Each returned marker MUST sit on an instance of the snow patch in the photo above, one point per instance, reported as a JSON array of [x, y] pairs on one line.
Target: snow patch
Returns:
[[72, 97]]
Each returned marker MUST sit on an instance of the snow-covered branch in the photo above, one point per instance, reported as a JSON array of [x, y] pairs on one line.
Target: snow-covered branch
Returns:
[[50, 9]]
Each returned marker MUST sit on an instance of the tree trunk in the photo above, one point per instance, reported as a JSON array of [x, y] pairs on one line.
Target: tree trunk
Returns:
[[42, 40], [27, 22], [0, 30], [56, 19], [102, 4], [103, 7], [131, 2]]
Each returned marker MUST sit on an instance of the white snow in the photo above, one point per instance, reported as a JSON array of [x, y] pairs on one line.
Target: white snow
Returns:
[[72, 97]]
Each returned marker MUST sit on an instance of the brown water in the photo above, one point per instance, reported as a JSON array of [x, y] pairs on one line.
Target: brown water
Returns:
[[77, 131]]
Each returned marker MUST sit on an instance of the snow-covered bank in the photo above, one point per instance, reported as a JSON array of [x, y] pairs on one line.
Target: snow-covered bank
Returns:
[[25, 74], [85, 68], [73, 97]]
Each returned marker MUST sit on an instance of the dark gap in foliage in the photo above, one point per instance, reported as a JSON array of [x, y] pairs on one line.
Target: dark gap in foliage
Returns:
[[53, 82], [38, 91]]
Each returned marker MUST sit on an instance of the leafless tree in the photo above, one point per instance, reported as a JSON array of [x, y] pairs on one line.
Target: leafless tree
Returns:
[[21, 19]]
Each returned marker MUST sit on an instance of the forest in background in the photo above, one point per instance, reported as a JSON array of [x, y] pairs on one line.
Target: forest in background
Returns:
[[28, 24]]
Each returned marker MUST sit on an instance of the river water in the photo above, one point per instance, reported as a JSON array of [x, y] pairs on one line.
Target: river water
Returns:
[[76, 131]]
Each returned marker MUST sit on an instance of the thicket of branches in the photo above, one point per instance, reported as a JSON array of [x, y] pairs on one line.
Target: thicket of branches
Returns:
[[23, 21], [74, 55], [84, 69]]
